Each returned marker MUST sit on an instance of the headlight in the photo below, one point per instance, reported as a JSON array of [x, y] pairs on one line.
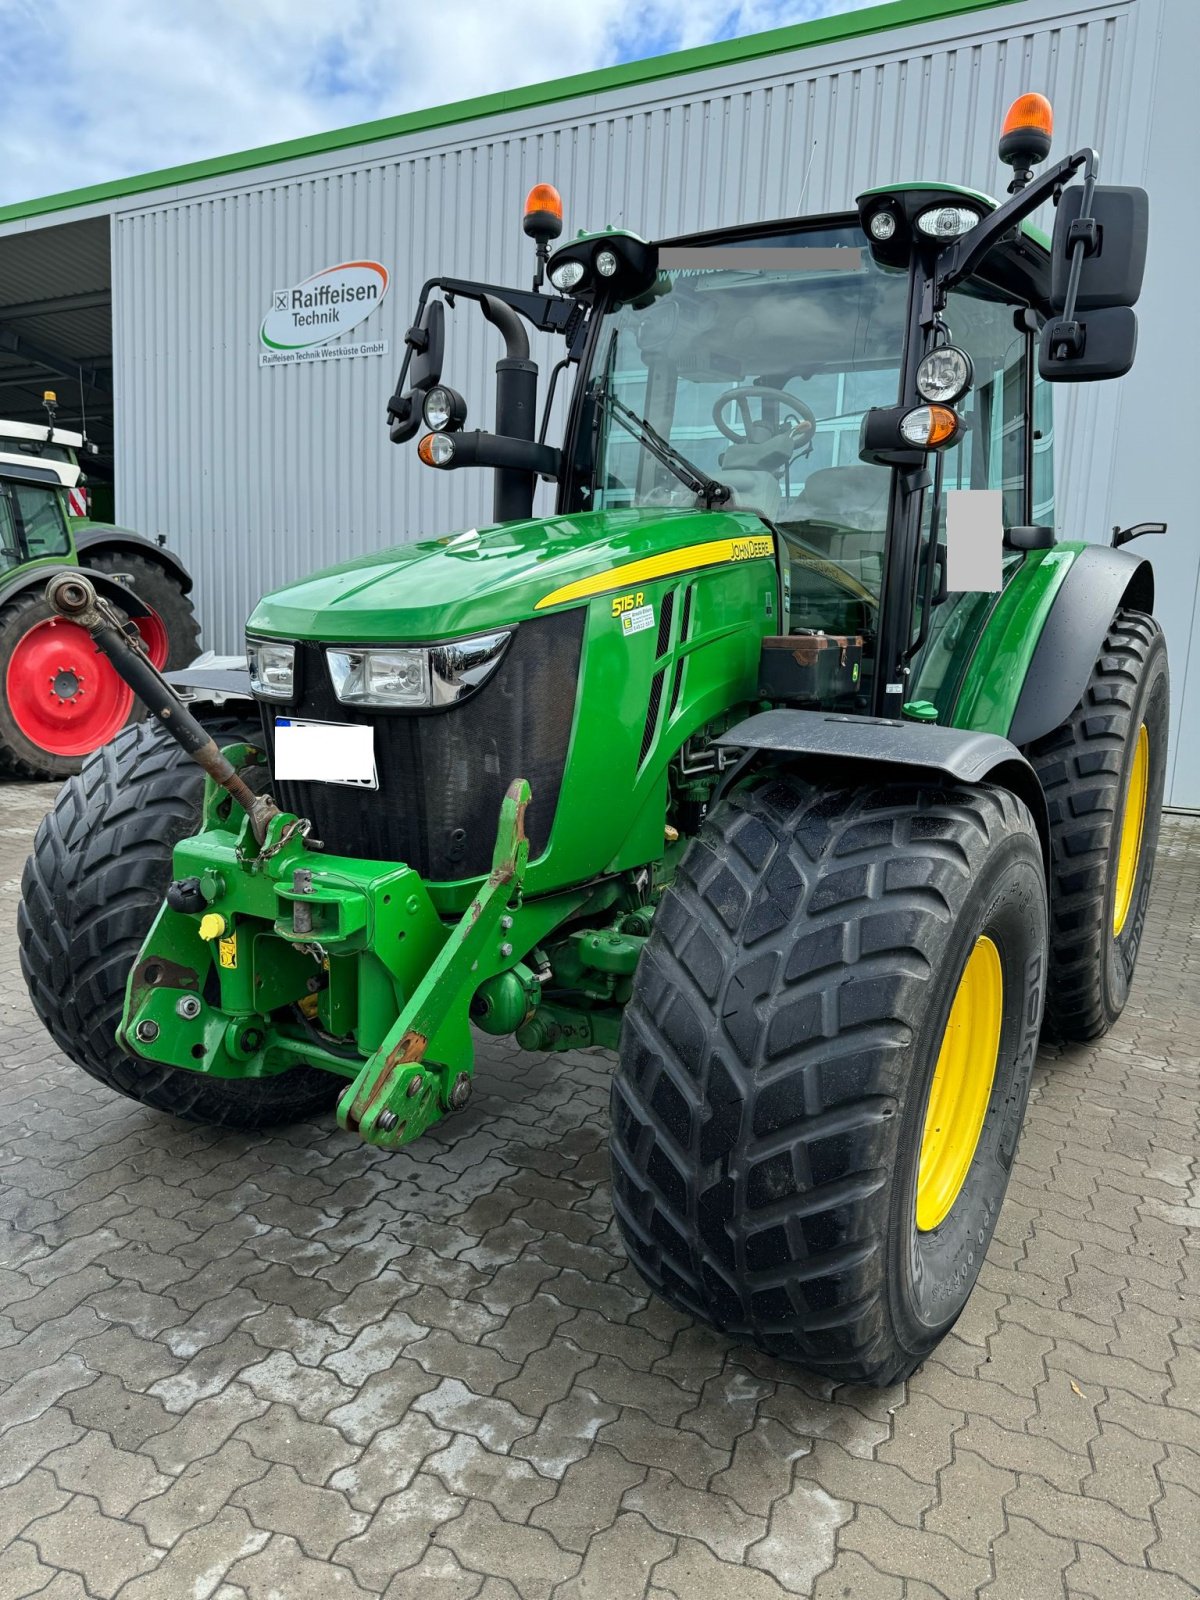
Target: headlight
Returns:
[[272, 668], [380, 677], [947, 222], [568, 275], [415, 676], [944, 374], [444, 408]]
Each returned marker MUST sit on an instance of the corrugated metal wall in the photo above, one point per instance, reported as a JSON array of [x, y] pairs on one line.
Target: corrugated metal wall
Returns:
[[260, 475]]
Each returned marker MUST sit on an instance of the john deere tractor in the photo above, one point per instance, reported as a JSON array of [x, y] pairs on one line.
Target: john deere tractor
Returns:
[[793, 757], [59, 698]]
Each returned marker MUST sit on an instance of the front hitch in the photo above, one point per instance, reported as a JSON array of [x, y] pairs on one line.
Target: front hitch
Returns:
[[74, 597]]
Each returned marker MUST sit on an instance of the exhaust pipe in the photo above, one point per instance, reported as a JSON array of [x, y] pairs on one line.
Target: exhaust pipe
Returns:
[[73, 596]]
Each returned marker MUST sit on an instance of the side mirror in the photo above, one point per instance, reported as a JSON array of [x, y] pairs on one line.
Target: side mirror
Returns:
[[1114, 236], [428, 343], [1100, 344]]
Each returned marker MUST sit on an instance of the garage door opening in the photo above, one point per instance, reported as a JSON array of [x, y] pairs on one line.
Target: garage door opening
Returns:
[[56, 335]]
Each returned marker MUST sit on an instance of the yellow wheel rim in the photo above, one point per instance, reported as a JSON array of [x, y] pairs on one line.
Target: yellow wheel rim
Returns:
[[962, 1085], [1133, 825]]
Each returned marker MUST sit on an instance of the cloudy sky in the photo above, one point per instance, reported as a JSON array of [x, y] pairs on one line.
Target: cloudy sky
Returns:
[[96, 89]]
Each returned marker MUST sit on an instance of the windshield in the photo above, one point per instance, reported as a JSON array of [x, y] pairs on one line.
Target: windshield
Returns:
[[36, 447], [754, 363], [33, 524]]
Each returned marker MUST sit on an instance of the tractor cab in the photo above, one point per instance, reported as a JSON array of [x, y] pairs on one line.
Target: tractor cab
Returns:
[[33, 516], [871, 387]]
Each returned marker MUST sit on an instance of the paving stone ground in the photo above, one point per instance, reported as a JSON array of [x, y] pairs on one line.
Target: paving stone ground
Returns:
[[294, 1368]]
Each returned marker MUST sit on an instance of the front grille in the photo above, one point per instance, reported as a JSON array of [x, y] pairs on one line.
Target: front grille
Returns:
[[443, 774]]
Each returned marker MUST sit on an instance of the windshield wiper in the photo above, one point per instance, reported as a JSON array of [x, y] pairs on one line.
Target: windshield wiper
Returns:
[[699, 482]]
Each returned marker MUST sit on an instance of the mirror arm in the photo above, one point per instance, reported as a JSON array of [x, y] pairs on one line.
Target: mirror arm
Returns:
[[548, 315], [1070, 335], [412, 342], [962, 258]]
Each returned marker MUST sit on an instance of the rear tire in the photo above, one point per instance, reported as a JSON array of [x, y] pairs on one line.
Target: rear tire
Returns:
[[47, 732], [157, 587], [777, 1056], [93, 885], [1085, 767]]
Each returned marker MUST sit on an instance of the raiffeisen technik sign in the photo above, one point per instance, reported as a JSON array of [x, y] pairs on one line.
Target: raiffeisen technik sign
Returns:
[[305, 319]]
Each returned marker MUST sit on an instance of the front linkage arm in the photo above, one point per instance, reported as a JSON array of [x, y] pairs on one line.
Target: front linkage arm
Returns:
[[73, 596], [411, 1081]]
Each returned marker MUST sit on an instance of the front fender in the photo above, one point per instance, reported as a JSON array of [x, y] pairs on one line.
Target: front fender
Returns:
[[883, 748], [1099, 583]]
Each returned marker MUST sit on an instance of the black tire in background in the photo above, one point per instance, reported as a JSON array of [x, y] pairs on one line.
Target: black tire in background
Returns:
[[1085, 768], [777, 1058], [161, 590], [93, 885]]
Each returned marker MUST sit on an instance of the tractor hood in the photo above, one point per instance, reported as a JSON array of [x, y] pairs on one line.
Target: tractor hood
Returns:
[[466, 582]]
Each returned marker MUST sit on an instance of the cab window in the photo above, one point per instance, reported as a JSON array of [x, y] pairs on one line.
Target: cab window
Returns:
[[33, 523]]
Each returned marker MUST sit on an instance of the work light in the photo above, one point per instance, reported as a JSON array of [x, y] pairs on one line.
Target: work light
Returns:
[[444, 409], [883, 225], [944, 374], [272, 668], [606, 263], [567, 276], [947, 222]]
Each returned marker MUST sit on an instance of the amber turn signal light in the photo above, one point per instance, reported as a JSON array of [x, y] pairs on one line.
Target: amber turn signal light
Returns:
[[929, 427], [436, 450]]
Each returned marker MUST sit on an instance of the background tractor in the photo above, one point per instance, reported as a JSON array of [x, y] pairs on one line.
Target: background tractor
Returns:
[[794, 757], [59, 698]]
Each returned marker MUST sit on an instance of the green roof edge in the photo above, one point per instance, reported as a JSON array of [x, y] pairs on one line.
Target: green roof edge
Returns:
[[823, 30]]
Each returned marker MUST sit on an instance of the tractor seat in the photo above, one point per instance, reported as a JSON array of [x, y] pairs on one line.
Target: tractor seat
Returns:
[[754, 491], [842, 511], [854, 498]]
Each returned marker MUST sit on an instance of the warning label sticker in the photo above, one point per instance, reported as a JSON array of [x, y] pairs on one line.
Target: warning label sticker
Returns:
[[637, 621]]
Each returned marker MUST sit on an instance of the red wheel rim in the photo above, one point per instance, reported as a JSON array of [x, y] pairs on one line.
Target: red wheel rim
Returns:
[[64, 695], [154, 633]]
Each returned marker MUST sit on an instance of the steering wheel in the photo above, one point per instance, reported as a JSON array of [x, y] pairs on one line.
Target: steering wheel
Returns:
[[757, 432]]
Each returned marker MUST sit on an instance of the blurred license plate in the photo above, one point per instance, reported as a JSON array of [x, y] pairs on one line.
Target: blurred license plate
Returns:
[[325, 752]]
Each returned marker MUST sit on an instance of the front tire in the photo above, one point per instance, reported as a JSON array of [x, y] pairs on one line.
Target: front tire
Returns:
[[775, 1129], [1103, 772], [93, 885]]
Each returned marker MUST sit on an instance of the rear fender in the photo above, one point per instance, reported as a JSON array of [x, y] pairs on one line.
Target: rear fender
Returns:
[[878, 748], [1100, 582], [96, 538], [36, 579]]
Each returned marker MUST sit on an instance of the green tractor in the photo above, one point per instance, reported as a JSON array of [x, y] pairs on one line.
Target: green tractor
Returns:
[[59, 699], [793, 758]]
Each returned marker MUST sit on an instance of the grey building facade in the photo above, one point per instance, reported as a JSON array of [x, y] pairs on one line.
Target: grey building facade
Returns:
[[263, 470]]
